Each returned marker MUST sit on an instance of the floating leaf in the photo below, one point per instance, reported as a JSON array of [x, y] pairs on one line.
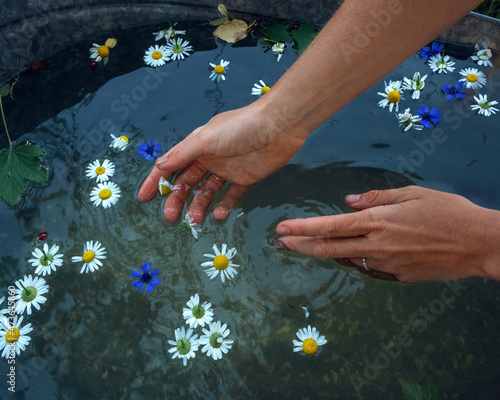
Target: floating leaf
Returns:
[[17, 166], [232, 31], [222, 9], [303, 36], [276, 31], [111, 42], [415, 391], [5, 90]]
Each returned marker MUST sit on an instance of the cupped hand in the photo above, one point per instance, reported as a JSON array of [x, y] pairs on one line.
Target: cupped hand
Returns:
[[413, 233], [239, 147]]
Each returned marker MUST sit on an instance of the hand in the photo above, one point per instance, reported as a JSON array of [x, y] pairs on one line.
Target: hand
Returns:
[[242, 146], [416, 234]]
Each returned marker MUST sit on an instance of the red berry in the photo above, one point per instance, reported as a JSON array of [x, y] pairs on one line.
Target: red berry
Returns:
[[43, 236], [92, 64], [295, 26]]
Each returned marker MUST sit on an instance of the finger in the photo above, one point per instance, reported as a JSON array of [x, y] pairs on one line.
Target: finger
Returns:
[[204, 197], [182, 154], [327, 247], [149, 187], [232, 196], [381, 197]]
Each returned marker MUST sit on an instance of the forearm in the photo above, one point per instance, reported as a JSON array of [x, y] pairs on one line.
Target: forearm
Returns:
[[361, 43], [488, 238]]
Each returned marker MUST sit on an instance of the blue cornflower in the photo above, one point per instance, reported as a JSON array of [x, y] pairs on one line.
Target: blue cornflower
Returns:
[[428, 117], [429, 51], [454, 91], [146, 278], [148, 150]]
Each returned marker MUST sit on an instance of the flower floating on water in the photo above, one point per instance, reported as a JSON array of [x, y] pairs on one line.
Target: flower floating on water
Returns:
[[454, 91], [473, 78], [309, 341], [428, 118], [441, 63], [408, 121], [482, 55], [196, 315], [221, 262], [157, 56], [99, 52], [484, 105], [392, 95], [106, 193], [169, 33], [260, 90], [119, 143], [185, 345], [188, 224], [429, 51], [13, 337], [179, 48], [92, 254], [100, 172], [218, 70], [46, 260], [416, 84], [215, 340], [147, 150], [165, 187], [278, 49], [29, 293], [146, 278]]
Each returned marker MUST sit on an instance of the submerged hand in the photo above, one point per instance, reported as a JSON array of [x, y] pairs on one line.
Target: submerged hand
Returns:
[[416, 234]]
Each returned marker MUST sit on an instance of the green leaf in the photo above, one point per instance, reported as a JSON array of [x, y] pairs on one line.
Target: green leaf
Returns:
[[303, 36], [411, 390], [277, 31], [5, 90], [17, 166]]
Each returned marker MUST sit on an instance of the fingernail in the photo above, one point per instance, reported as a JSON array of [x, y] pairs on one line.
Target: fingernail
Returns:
[[352, 198], [282, 230], [278, 244], [161, 162]]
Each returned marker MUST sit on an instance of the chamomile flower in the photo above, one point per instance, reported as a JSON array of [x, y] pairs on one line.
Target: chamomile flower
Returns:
[[392, 95], [46, 260], [100, 172], [189, 224], [278, 49], [196, 315], [309, 341], [185, 345], [484, 105], [482, 55], [99, 52], [168, 33], [29, 293], [148, 150], [106, 193], [215, 340], [165, 187], [218, 70], [441, 63], [13, 337], [408, 121], [221, 262], [119, 143], [416, 84], [428, 117], [260, 89], [429, 51], [454, 91], [146, 278], [157, 56], [93, 253], [473, 78], [179, 48]]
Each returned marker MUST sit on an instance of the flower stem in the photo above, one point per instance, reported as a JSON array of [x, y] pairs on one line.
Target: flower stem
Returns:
[[5, 123]]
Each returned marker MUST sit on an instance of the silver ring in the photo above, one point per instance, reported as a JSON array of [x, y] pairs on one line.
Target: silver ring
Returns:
[[364, 264]]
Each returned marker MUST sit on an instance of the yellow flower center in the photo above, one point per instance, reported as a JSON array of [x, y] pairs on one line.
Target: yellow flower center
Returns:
[[105, 194], [156, 55], [265, 89], [124, 138], [88, 256], [221, 262], [393, 96], [164, 189], [100, 170], [472, 77], [310, 347], [12, 335], [219, 69], [103, 51]]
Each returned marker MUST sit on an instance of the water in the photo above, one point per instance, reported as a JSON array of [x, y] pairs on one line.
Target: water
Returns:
[[97, 337]]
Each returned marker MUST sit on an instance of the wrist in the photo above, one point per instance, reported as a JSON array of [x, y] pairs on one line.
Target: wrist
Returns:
[[490, 266]]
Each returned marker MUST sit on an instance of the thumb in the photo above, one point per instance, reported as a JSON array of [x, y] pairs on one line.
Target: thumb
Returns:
[[180, 155], [375, 198]]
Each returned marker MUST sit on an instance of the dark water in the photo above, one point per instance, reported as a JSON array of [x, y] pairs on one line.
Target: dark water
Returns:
[[97, 337]]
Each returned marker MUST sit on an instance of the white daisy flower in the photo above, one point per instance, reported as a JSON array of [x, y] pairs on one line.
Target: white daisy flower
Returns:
[[410, 121], [392, 95], [482, 55], [309, 341], [179, 48], [221, 262], [188, 223], [218, 70], [13, 337], [92, 254], [196, 315], [168, 33], [278, 49], [119, 143], [100, 172], [484, 105], [99, 52], [473, 78], [165, 187], [260, 90], [157, 56], [439, 63], [215, 340], [106, 193], [416, 84], [29, 293], [46, 260], [185, 345]]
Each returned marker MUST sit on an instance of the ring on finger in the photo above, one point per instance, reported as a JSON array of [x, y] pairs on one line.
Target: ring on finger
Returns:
[[218, 178], [364, 264]]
